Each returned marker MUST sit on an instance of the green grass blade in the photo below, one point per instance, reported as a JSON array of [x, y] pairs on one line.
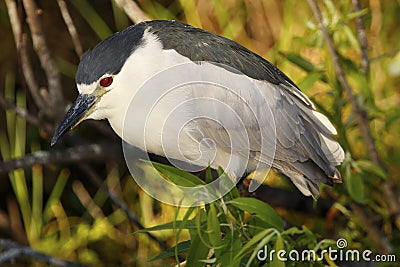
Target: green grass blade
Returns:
[[93, 18]]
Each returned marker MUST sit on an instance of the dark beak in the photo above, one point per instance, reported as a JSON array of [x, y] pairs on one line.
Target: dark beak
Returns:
[[75, 115]]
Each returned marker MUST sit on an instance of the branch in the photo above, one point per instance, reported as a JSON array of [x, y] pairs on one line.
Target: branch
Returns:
[[71, 27], [53, 95], [362, 37], [29, 76], [78, 154], [391, 197], [14, 21], [376, 236], [360, 114], [119, 203], [100, 152], [25, 65], [132, 10], [12, 250], [29, 117]]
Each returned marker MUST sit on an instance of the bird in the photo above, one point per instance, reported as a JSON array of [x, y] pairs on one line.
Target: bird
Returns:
[[120, 78]]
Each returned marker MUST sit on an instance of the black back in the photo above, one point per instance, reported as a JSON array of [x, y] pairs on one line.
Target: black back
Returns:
[[201, 45], [196, 44]]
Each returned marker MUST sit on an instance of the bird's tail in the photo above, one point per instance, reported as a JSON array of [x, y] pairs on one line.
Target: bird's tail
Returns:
[[323, 154]]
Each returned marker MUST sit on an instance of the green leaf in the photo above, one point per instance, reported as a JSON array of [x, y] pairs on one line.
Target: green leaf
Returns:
[[278, 247], [300, 61], [180, 248], [309, 80], [255, 225], [201, 232], [93, 18], [230, 247], [260, 246], [355, 185], [371, 167], [213, 227], [293, 231], [209, 261], [209, 177], [177, 176], [260, 209], [252, 242], [181, 226], [307, 238], [227, 185], [351, 37], [198, 251], [120, 18], [356, 14], [306, 65], [189, 224]]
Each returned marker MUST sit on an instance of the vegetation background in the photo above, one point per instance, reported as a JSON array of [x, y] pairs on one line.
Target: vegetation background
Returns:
[[77, 202]]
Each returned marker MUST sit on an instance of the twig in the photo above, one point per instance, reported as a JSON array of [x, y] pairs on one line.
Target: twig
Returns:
[[25, 65], [373, 233], [132, 10], [360, 114], [71, 27], [362, 37], [12, 250], [117, 201], [384, 56], [7, 104], [14, 21], [86, 200], [100, 152], [29, 76], [53, 95], [29, 117], [79, 154], [390, 196], [23, 58]]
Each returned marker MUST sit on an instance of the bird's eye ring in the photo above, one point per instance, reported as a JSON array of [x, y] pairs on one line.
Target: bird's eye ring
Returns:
[[106, 81]]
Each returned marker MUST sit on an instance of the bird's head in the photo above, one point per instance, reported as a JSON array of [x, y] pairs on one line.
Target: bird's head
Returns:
[[85, 106], [103, 77]]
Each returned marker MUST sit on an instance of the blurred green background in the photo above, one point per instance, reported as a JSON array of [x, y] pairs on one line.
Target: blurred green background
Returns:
[[54, 208]]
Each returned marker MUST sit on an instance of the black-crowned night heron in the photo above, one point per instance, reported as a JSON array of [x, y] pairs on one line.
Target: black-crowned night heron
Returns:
[[109, 77]]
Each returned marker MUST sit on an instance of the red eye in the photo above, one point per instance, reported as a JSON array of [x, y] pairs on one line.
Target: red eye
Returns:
[[106, 81]]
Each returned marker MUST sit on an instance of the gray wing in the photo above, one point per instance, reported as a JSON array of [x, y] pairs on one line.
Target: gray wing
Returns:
[[304, 148], [306, 151]]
